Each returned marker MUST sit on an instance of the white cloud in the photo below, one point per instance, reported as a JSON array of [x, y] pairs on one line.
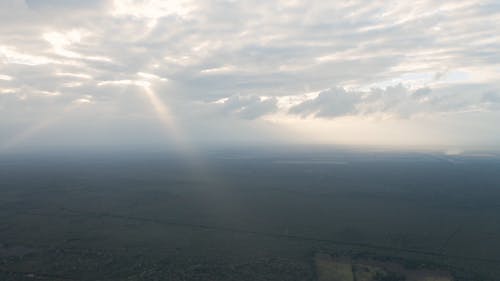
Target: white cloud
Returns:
[[5, 77], [10, 55], [75, 75], [246, 107], [151, 9], [61, 42], [218, 70], [150, 76]]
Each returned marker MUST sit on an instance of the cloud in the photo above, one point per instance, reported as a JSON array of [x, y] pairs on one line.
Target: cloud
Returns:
[[396, 101], [330, 103], [246, 107], [389, 59], [63, 4]]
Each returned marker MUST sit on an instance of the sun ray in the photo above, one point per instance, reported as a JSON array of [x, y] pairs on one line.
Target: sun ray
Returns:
[[181, 142], [178, 137], [36, 128], [163, 113]]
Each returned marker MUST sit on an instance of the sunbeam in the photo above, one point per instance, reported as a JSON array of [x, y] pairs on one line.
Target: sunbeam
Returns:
[[27, 133], [180, 142], [178, 137], [40, 126], [165, 116]]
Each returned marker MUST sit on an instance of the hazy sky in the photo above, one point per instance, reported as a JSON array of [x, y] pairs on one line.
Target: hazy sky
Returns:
[[165, 73]]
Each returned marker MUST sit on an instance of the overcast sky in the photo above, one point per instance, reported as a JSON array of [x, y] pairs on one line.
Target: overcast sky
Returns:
[[167, 73]]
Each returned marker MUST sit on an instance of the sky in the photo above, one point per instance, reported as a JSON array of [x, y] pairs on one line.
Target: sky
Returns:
[[150, 73]]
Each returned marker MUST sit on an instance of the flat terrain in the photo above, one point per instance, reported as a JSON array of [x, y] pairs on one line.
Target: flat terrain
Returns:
[[248, 215], [343, 268]]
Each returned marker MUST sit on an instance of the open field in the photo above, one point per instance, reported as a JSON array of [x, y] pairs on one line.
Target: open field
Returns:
[[343, 268]]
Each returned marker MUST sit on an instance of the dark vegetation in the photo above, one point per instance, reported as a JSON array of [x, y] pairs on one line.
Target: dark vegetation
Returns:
[[391, 276], [255, 215]]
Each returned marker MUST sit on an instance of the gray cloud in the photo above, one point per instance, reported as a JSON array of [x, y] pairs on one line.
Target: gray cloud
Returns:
[[397, 101], [330, 103], [63, 4]]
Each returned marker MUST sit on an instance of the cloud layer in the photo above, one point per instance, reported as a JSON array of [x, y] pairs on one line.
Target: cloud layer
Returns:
[[227, 63], [398, 102]]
